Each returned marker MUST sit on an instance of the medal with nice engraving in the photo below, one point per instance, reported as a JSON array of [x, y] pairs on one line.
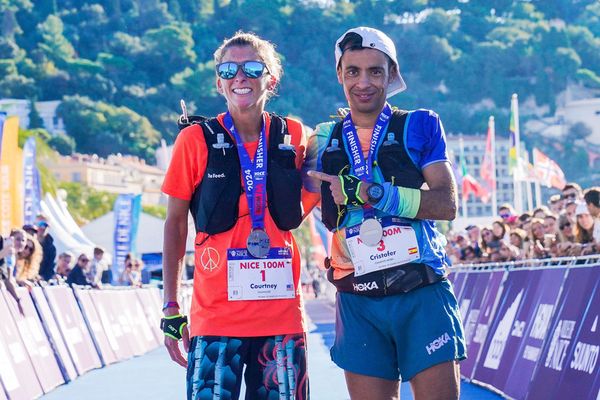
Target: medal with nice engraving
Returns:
[[258, 243]]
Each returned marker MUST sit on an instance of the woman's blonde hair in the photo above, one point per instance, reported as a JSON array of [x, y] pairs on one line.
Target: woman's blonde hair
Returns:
[[28, 268]]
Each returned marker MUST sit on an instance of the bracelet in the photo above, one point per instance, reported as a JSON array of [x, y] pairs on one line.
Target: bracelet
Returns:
[[170, 304]]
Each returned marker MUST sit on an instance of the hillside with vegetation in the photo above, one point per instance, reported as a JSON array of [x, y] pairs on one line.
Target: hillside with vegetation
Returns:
[[121, 66]]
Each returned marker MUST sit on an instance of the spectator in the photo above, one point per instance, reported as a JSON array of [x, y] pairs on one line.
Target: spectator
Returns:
[[571, 192], [565, 229], [541, 212], [132, 274], [48, 249], [63, 266], [98, 266], [550, 225], [539, 245], [31, 229], [469, 255], [489, 243], [507, 252], [499, 229], [508, 214], [584, 231], [555, 203], [7, 251], [77, 276], [592, 200], [518, 240], [524, 221], [28, 262], [474, 232], [570, 209]]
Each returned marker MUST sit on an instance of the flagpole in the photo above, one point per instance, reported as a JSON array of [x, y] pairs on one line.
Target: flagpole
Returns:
[[538, 193], [492, 129], [461, 147], [514, 104]]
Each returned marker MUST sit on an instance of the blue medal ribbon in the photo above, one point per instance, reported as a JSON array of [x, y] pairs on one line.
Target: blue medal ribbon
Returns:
[[363, 169], [254, 173]]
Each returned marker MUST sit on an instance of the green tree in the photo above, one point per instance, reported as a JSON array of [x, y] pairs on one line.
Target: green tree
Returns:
[[35, 121]]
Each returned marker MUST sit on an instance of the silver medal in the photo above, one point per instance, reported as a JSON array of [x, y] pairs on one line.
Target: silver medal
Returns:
[[371, 232], [258, 243]]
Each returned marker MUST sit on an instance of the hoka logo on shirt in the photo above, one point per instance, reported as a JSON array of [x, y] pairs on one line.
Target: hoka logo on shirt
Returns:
[[216, 176], [363, 287], [437, 343]]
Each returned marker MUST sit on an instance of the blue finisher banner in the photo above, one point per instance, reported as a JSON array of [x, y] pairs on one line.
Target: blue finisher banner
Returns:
[[126, 216]]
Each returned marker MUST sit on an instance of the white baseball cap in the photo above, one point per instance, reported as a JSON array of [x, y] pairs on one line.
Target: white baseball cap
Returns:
[[375, 39]]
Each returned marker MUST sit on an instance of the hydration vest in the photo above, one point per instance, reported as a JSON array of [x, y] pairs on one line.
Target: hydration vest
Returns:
[[392, 158], [215, 202]]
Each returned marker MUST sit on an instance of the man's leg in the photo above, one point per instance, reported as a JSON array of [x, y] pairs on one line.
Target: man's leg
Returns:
[[440, 382], [362, 387]]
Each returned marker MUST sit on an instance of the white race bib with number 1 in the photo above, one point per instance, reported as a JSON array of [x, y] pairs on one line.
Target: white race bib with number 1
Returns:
[[250, 278]]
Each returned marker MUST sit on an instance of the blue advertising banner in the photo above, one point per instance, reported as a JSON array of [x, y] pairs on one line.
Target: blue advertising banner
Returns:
[[542, 304], [482, 319], [31, 184], [562, 350], [2, 119], [126, 215]]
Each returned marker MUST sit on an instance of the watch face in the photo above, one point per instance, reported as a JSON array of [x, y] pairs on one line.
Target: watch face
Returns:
[[375, 191]]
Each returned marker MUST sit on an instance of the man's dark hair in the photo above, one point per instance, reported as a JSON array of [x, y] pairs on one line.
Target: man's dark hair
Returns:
[[524, 217], [592, 196]]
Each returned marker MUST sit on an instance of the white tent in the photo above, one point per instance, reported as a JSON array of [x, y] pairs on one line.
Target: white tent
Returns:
[[149, 237]]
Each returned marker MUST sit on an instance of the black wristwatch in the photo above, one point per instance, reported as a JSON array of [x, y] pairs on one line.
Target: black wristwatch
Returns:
[[374, 193]]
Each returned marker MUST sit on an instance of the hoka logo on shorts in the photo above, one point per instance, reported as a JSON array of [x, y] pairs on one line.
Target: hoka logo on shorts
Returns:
[[216, 176], [363, 287], [437, 343]]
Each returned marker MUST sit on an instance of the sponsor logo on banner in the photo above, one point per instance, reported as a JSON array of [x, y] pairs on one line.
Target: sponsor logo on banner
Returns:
[[561, 338], [541, 322], [585, 357], [437, 343], [494, 355]]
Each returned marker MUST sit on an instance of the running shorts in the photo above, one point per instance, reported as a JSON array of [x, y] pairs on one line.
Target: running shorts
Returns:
[[275, 367], [397, 336]]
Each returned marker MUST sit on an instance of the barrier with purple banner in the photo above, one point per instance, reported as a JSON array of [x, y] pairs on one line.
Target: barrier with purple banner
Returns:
[[53, 333], [543, 304], [103, 300], [564, 355], [141, 322], [35, 340], [72, 327], [481, 320], [16, 370], [152, 313], [458, 280], [140, 336], [94, 324]]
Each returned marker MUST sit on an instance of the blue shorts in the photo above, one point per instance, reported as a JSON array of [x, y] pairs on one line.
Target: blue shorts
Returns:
[[275, 367], [395, 337]]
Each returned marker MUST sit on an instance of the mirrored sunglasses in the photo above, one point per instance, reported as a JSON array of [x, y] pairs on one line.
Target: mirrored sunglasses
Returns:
[[252, 69]]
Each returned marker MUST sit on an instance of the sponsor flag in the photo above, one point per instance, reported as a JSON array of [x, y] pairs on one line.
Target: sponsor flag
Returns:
[[126, 216], [11, 186], [487, 171], [548, 171], [31, 182]]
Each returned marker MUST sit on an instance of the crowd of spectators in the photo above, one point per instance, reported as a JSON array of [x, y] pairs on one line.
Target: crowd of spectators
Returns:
[[28, 258], [568, 226]]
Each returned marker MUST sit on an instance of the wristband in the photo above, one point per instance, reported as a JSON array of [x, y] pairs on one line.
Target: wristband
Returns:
[[351, 189], [170, 304], [409, 201], [173, 326]]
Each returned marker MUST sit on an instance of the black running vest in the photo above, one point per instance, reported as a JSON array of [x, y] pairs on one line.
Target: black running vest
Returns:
[[215, 202], [392, 158]]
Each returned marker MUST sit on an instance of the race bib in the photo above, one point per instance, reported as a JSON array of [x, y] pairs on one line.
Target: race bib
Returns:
[[397, 246], [250, 278]]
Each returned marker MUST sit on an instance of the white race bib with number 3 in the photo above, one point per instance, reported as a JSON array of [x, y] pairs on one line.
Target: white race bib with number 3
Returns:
[[398, 246], [250, 278]]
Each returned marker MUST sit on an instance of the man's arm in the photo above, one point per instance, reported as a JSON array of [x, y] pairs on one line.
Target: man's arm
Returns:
[[173, 254], [440, 202]]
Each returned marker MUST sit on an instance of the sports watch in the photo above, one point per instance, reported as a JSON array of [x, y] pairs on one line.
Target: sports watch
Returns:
[[374, 193]]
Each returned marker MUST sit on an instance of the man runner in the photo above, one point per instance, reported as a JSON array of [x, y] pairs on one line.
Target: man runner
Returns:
[[384, 176]]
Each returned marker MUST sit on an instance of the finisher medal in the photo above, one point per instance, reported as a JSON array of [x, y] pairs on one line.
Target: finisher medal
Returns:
[[371, 232], [258, 243]]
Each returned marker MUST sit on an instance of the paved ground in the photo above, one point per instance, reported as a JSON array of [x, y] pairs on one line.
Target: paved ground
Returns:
[[154, 377]]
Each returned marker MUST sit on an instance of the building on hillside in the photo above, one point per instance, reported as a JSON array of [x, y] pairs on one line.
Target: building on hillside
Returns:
[[474, 150], [46, 110], [114, 174]]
